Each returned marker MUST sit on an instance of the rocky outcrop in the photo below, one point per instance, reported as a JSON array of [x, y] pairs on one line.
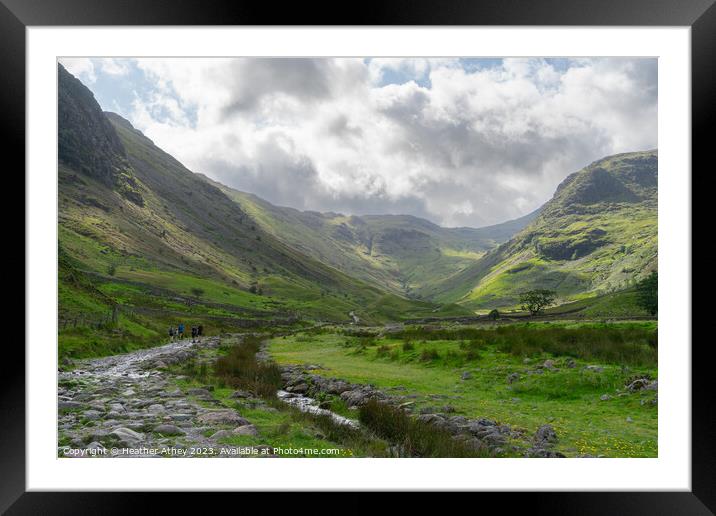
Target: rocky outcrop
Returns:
[[87, 141]]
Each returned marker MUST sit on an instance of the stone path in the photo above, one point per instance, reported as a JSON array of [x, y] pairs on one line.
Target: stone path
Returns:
[[124, 406]]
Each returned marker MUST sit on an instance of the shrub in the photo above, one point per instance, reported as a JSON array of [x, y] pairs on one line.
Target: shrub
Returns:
[[414, 437], [648, 293], [633, 346], [382, 350], [536, 300], [408, 346], [428, 355], [240, 369]]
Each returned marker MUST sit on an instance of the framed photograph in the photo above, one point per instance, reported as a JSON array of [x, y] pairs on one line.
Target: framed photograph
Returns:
[[427, 243]]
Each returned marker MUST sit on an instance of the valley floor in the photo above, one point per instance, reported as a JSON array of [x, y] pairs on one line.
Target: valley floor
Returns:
[[585, 400], [592, 384]]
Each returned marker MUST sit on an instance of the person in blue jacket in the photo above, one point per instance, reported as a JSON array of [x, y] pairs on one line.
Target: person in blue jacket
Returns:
[[181, 330]]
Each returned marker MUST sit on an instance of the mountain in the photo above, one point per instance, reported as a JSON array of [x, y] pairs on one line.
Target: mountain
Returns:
[[144, 238], [597, 234], [404, 254]]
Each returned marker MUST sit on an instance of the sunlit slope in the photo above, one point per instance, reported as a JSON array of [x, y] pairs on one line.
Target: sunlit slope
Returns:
[[156, 238], [597, 234], [404, 254]]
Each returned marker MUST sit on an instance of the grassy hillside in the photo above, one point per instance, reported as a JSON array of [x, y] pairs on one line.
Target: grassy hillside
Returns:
[[598, 234], [140, 232], [404, 254]]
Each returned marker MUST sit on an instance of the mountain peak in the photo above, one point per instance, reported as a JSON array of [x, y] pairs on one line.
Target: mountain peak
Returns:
[[622, 178]]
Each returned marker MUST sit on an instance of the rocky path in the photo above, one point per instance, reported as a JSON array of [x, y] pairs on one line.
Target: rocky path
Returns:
[[129, 406]]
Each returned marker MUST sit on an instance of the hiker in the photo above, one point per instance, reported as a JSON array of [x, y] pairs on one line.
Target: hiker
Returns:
[[171, 334], [193, 333], [181, 330], [199, 330]]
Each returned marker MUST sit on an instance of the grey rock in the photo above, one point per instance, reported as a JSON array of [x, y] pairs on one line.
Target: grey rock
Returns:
[[545, 436], [432, 419], [167, 429], [127, 436], [156, 408], [638, 384], [605, 397], [543, 453], [467, 375], [92, 414], [69, 405], [513, 377], [221, 434], [222, 417], [245, 430], [199, 392], [300, 388]]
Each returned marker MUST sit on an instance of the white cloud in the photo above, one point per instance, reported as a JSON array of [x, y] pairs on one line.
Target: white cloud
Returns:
[[111, 66], [469, 147]]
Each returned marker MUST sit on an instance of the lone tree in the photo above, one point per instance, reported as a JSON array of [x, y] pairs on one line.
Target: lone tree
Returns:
[[536, 300], [648, 293]]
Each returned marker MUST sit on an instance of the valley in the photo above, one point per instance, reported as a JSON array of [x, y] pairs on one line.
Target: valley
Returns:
[[415, 334]]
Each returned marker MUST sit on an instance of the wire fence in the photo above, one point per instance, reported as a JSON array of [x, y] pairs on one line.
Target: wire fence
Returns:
[[90, 320]]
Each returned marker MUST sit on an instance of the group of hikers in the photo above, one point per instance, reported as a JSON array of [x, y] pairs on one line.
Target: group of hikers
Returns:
[[178, 332]]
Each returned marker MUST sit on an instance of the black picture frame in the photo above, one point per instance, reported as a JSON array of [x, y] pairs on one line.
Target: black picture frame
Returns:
[[700, 15]]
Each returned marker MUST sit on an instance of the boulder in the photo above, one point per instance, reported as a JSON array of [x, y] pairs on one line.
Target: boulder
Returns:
[[127, 436], [221, 434], [199, 392], [543, 453], [513, 377], [245, 430], [167, 429], [69, 405], [300, 388], [638, 384], [222, 417], [545, 436], [156, 408], [92, 415]]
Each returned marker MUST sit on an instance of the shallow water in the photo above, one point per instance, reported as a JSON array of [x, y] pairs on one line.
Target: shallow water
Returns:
[[310, 406]]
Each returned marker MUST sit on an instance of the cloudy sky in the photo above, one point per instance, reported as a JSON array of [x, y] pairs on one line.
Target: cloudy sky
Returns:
[[461, 142]]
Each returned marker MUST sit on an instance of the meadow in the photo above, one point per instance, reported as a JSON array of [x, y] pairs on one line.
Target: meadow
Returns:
[[500, 372]]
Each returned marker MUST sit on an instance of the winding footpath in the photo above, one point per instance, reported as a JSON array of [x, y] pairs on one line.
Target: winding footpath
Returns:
[[128, 406]]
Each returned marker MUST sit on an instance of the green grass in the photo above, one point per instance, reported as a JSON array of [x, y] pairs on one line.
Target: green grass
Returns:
[[279, 425], [569, 398]]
